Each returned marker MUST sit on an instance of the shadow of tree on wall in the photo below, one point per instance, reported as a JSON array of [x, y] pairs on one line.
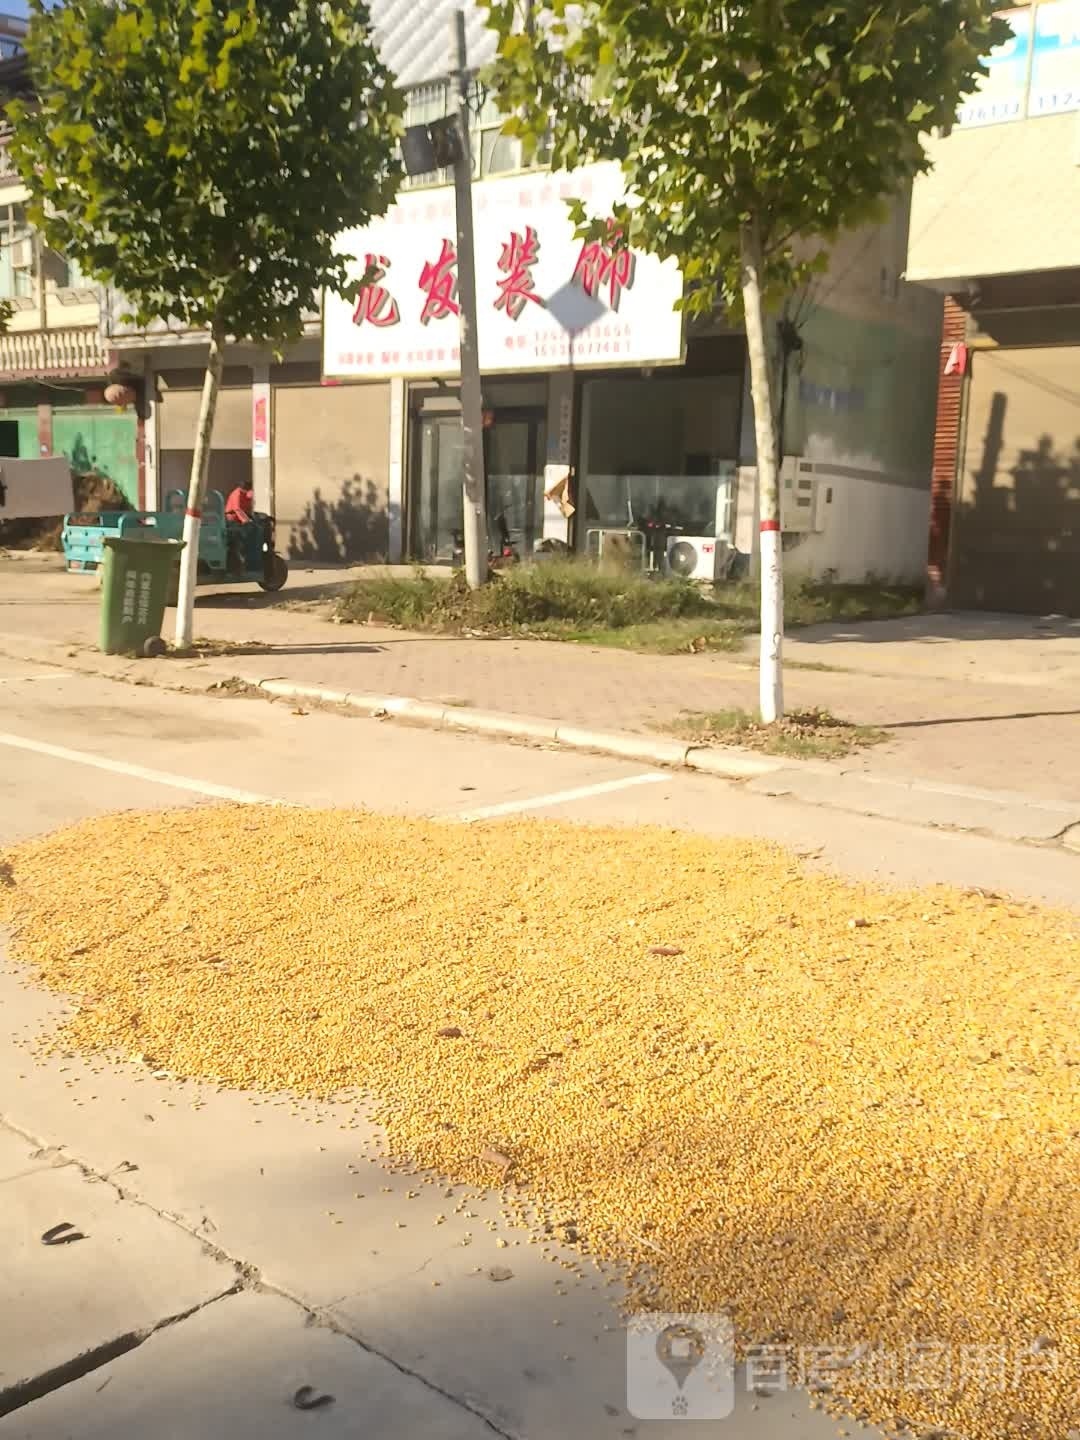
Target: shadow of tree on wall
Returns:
[[1018, 544], [82, 462], [353, 527]]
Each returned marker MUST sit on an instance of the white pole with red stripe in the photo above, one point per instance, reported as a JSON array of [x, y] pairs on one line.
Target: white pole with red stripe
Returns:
[[771, 672]]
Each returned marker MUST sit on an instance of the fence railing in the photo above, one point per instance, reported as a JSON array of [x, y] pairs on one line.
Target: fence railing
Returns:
[[78, 351]]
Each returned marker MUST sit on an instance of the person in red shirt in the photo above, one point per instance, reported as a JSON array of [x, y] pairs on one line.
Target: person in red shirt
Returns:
[[240, 503], [238, 511]]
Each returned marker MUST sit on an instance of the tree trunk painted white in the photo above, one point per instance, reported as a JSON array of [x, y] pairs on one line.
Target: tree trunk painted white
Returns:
[[771, 673], [200, 469]]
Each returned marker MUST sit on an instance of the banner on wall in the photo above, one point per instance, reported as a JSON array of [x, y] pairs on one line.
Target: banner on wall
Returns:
[[260, 421], [545, 300], [1055, 61], [1002, 92], [1035, 72]]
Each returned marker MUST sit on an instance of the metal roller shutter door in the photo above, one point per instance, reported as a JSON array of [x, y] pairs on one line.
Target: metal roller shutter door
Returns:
[[1017, 524], [331, 471]]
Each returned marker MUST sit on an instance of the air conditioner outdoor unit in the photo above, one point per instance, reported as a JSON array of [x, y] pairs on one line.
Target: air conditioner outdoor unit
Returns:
[[616, 548], [699, 557]]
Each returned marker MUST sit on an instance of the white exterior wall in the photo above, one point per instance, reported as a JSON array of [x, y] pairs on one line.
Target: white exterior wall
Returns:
[[860, 414], [874, 527]]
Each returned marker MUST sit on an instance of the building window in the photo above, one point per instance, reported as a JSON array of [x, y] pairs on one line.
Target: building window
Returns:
[[18, 263], [16, 254], [492, 152]]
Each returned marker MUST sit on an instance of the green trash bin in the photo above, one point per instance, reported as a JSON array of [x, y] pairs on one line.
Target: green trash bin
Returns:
[[134, 593]]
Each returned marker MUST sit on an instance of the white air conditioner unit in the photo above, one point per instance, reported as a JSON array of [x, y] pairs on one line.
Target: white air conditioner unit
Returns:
[[616, 547], [699, 557]]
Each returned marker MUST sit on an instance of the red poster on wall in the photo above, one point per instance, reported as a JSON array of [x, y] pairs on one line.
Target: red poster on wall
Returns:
[[260, 421]]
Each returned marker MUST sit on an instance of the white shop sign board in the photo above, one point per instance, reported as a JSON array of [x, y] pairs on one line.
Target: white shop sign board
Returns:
[[545, 299]]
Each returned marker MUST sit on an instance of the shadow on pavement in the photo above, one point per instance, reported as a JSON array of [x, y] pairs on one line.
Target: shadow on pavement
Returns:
[[941, 629], [238, 647], [244, 597], [972, 719]]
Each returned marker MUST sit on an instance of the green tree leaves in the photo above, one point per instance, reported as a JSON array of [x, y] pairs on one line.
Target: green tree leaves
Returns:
[[749, 132], [796, 115], [203, 157]]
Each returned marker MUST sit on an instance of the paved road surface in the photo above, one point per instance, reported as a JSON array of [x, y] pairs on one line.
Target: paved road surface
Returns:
[[983, 701], [228, 1261]]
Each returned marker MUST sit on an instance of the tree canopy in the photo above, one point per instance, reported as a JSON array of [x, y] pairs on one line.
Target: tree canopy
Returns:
[[784, 119], [749, 132], [202, 157]]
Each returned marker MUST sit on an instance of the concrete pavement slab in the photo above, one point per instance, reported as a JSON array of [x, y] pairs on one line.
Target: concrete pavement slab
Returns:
[[281, 750], [1021, 818], [296, 1192], [542, 1353], [233, 1370], [132, 1270]]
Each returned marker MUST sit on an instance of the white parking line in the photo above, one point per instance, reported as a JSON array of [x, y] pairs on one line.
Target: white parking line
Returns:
[[137, 772], [560, 797]]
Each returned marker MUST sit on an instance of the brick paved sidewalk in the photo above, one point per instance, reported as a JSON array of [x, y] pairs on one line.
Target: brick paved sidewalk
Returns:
[[1015, 727]]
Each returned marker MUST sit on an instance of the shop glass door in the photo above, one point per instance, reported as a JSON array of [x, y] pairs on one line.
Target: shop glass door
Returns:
[[514, 462], [438, 534], [514, 465]]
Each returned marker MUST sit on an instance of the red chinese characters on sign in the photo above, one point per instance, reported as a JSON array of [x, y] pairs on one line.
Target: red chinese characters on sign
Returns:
[[374, 303], [439, 283], [519, 255], [607, 262]]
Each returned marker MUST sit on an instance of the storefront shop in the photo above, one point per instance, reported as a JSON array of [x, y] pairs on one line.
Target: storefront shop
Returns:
[[515, 458], [598, 416], [658, 454]]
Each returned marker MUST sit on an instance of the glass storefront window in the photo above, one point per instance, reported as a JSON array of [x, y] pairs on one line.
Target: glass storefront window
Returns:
[[513, 463], [658, 455]]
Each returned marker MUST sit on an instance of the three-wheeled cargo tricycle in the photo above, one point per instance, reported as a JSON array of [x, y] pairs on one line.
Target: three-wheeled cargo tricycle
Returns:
[[230, 551]]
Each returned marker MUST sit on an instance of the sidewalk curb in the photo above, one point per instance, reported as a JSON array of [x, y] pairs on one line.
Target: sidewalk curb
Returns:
[[622, 744], [1004, 814]]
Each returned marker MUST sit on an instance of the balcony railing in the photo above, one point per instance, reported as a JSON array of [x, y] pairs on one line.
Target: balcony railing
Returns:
[[74, 352]]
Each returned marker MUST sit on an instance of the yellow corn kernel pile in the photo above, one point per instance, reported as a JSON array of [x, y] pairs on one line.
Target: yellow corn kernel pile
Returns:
[[848, 1115]]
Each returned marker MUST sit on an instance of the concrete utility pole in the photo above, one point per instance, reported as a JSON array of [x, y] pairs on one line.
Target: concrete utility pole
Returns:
[[472, 418]]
